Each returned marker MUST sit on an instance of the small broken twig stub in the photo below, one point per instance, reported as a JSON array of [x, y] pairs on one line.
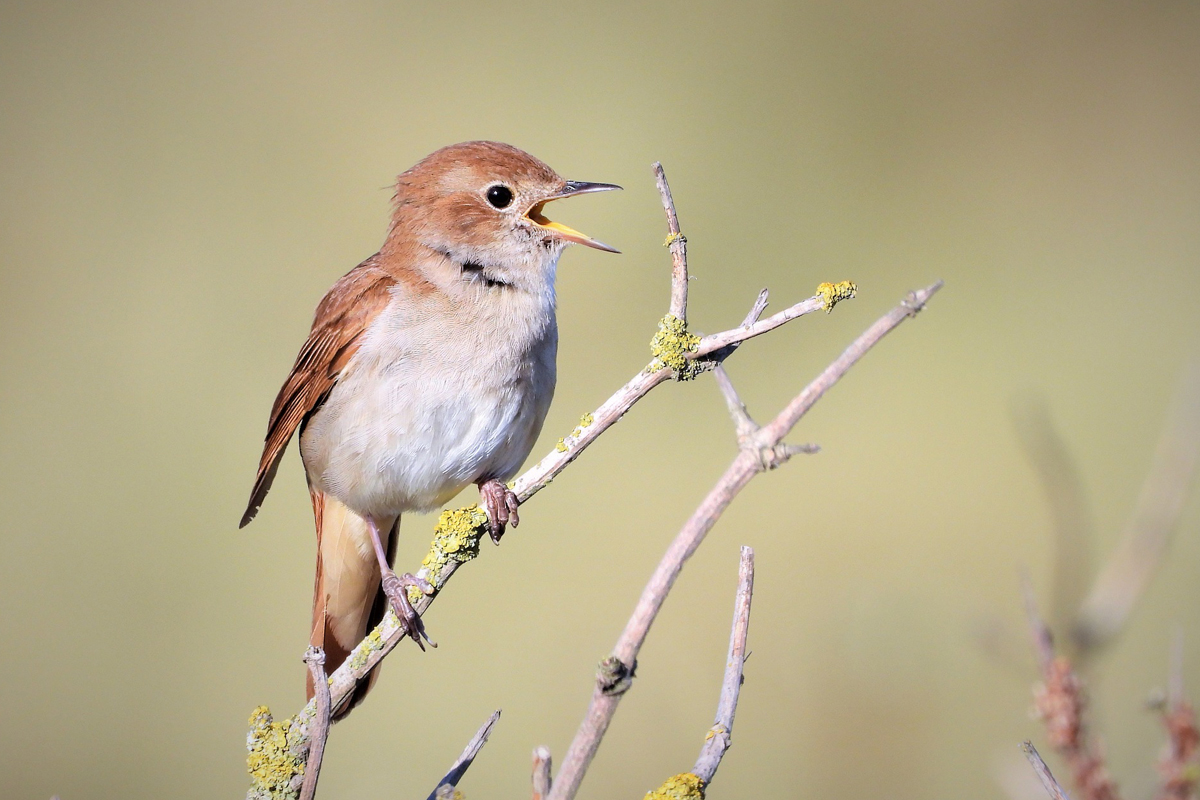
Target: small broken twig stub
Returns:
[[319, 730]]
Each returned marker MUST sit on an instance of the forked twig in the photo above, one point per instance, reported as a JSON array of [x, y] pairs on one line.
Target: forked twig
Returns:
[[760, 452]]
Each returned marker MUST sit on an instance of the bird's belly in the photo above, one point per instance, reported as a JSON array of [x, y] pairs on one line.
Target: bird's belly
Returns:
[[398, 440]]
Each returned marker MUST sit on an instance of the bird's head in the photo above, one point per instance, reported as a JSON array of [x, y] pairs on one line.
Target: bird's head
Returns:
[[481, 204]]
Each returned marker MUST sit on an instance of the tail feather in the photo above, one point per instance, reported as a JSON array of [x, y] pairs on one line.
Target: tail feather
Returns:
[[347, 597]]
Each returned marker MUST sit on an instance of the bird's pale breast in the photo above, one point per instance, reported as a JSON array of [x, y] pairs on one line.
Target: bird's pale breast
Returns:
[[442, 393]]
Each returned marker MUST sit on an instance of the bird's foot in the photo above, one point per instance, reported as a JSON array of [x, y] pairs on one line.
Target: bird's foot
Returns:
[[500, 503], [396, 588]]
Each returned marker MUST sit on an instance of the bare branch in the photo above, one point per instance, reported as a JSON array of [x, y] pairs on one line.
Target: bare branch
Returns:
[[717, 341], [318, 731], [743, 425], [541, 773], [1180, 762], [620, 666], [1131, 565], [677, 243], [468, 755], [1043, 772], [719, 736]]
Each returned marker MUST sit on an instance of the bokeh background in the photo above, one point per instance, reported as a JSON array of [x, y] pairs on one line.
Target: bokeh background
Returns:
[[180, 183]]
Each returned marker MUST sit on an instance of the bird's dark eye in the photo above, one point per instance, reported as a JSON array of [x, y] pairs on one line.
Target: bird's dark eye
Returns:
[[500, 196]]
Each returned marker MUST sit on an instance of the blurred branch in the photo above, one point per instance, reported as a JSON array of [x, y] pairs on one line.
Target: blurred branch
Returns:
[[1180, 763], [1125, 575], [719, 736], [759, 452], [1043, 772], [1061, 703], [1063, 487], [460, 767]]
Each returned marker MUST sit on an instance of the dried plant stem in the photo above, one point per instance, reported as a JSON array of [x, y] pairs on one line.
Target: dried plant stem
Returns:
[[760, 452], [720, 735]]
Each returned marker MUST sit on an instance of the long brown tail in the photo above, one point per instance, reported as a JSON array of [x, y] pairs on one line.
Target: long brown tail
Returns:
[[347, 597]]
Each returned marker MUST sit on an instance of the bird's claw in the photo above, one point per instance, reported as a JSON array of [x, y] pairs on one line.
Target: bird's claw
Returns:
[[501, 505], [395, 587]]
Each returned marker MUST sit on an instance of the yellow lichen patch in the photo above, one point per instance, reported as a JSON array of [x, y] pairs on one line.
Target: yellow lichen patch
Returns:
[[271, 762], [685, 786], [672, 238], [584, 421], [456, 538], [713, 731], [372, 643], [833, 293], [670, 347]]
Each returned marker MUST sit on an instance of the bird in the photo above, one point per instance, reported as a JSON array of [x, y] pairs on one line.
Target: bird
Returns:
[[429, 367]]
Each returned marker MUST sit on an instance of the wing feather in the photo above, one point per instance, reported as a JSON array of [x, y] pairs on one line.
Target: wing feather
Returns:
[[342, 317]]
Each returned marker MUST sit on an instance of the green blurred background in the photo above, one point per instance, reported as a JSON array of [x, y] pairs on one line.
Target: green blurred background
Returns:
[[179, 184]]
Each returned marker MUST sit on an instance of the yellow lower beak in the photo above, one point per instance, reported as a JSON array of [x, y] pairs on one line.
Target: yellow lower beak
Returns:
[[561, 231]]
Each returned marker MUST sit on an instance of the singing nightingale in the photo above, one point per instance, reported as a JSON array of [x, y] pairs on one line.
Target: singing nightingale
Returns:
[[430, 366]]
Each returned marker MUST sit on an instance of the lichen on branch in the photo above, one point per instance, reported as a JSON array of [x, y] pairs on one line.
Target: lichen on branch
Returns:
[[671, 346]]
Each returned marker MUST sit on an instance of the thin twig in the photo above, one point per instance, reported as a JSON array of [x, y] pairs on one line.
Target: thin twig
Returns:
[[677, 244], [456, 772], [318, 731], [1129, 569], [541, 773], [1043, 772], [749, 462], [719, 736], [743, 425]]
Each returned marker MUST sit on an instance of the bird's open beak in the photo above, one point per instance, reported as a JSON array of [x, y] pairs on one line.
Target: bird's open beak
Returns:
[[561, 231]]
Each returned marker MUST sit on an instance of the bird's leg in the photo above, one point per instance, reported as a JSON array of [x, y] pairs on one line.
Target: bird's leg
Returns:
[[396, 588], [500, 503]]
